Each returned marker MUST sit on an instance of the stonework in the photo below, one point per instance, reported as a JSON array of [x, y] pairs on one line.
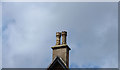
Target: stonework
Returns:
[[58, 36], [64, 34], [60, 56], [61, 50]]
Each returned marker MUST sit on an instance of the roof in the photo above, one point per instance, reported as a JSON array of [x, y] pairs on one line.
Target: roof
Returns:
[[58, 64]]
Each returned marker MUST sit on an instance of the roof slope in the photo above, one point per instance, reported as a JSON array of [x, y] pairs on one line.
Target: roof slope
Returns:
[[58, 64]]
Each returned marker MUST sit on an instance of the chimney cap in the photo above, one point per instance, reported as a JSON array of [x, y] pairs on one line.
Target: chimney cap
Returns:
[[64, 32], [58, 33]]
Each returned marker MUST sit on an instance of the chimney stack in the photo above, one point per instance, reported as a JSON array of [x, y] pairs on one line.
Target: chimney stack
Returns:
[[61, 50]]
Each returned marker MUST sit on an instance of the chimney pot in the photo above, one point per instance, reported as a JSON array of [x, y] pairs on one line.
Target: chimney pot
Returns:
[[64, 34], [58, 36]]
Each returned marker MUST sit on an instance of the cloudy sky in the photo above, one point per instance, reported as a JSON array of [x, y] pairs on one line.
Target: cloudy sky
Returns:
[[28, 33], [0, 35]]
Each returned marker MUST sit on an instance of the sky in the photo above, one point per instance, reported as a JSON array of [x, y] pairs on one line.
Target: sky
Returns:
[[0, 36], [59, 0], [29, 31]]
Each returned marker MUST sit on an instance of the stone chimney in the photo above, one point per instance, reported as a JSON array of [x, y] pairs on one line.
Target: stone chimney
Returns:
[[61, 50]]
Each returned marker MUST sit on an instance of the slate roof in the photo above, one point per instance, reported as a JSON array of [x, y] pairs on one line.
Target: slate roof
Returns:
[[58, 64]]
